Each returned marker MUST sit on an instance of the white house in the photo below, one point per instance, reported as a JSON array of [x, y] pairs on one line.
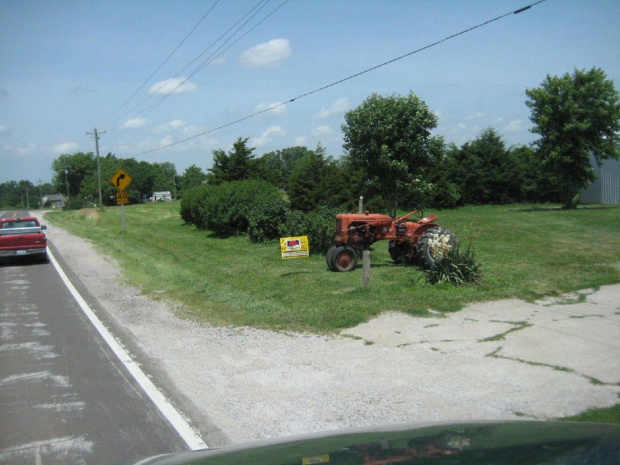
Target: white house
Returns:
[[55, 200], [163, 196]]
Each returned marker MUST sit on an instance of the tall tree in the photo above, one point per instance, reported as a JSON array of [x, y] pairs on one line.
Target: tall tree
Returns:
[[390, 139], [15, 194], [192, 177], [576, 115], [70, 170], [236, 165], [276, 167], [305, 190]]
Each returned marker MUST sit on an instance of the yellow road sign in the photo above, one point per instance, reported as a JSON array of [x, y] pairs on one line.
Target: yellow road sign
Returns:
[[294, 247], [121, 180], [122, 198]]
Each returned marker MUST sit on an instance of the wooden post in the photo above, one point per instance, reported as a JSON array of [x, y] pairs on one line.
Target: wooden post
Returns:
[[366, 269], [365, 254], [123, 217]]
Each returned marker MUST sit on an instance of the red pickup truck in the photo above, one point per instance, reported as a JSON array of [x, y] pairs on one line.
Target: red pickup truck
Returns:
[[22, 237]]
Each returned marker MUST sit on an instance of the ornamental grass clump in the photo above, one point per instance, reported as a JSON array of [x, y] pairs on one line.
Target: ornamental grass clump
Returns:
[[456, 266]]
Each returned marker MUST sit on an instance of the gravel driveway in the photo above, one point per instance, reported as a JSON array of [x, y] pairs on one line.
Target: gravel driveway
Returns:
[[495, 360]]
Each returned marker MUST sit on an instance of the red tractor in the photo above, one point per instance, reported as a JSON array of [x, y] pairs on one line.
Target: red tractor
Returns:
[[420, 241]]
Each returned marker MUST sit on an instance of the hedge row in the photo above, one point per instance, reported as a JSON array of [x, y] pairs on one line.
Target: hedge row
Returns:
[[255, 208]]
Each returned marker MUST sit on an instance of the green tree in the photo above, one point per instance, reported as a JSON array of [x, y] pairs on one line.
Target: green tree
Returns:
[[576, 115], [390, 139], [70, 170], [165, 175], [192, 177], [18, 194], [305, 183], [276, 167], [236, 165]]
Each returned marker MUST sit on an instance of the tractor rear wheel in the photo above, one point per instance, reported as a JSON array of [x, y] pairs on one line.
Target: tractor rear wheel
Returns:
[[344, 259], [434, 243]]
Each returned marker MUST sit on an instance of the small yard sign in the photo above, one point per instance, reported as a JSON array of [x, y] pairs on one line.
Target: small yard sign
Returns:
[[294, 247]]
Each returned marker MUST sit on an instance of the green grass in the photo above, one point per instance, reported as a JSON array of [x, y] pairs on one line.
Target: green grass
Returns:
[[599, 415], [526, 252]]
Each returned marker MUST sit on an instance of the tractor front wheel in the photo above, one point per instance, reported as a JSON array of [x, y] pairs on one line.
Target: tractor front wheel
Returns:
[[343, 259], [329, 257]]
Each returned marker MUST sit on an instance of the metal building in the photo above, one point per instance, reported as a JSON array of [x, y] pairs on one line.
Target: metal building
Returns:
[[606, 188]]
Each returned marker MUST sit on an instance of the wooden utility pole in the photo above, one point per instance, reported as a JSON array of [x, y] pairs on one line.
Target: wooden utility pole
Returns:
[[96, 137]]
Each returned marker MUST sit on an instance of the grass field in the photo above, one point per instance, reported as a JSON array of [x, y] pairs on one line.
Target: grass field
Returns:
[[526, 251]]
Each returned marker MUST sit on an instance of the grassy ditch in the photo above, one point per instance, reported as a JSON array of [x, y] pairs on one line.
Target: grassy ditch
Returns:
[[526, 252]]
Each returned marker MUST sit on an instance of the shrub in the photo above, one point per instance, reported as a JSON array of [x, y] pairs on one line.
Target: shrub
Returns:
[[74, 203], [457, 267], [319, 226], [267, 213], [236, 208], [193, 205]]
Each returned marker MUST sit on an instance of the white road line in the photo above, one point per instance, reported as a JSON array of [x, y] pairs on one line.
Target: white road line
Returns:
[[189, 435]]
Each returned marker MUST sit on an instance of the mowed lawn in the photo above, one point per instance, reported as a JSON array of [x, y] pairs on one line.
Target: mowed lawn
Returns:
[[527, 251]]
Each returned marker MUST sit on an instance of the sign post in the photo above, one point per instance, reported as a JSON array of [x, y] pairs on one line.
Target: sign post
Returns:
[[121, 180]]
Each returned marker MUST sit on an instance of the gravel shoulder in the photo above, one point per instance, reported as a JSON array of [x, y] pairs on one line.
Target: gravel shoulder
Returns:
[[495, 360]]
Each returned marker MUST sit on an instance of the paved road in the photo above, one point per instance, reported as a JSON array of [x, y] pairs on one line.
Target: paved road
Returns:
[[64, 396]]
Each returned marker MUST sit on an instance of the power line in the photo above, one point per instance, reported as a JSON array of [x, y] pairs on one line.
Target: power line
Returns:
[[348, 78], [211, 58], [202, 65], [163, 62]]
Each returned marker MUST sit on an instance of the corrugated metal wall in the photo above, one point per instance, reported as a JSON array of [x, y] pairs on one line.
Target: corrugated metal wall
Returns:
[[605, 189]]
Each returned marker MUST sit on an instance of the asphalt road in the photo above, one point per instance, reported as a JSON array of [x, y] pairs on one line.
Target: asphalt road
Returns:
[[64, 396]]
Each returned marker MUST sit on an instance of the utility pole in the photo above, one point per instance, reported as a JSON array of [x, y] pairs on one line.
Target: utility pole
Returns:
[[96, 137]]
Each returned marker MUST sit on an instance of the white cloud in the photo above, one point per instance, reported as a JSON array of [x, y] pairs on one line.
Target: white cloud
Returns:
[[193, 130], [67, 147], [172, 86], [134, 123], [267, 136], [267, 55], [339, 106], [515, 125], [322, 131], [477, 115], [277, 111], [28, 148], [173, 125], [4, 128], [301, 141], [167, 140]]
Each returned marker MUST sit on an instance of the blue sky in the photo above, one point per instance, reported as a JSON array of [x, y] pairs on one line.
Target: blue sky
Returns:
[[67, 67]]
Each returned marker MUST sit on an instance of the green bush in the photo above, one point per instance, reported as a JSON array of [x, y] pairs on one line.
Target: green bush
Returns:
[[74, 203], [457, 267], [267, 213], [236, 208], [193, 205], [319, 226]]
